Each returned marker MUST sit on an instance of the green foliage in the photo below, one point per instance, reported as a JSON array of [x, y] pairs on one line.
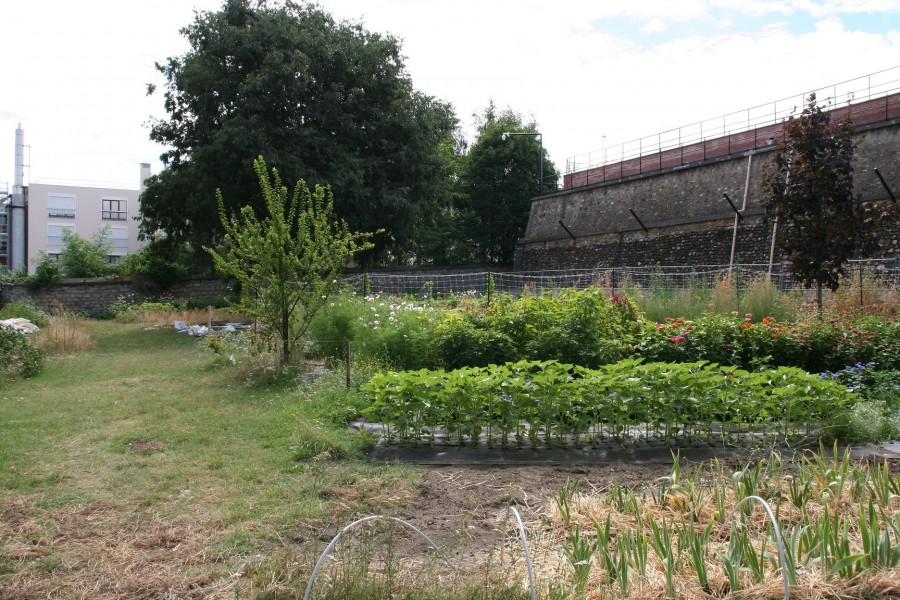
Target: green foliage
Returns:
[[583, 327], [396, 332], [814, 346], [24, 309], [79, 258], [19, 356], [287, 264], [327, 101], [8, 277], [134, 312], [46, 273], [809, 190], [762, 299], [871, 421], [159, 265], [558, 404], [461, 341], [499, 177], [659, 300], [86, 258]]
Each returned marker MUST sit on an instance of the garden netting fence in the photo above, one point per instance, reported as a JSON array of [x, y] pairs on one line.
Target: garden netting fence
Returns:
[[882, 276]]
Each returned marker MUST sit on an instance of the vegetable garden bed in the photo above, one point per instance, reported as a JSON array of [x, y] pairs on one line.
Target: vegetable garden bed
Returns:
[[546, 404]]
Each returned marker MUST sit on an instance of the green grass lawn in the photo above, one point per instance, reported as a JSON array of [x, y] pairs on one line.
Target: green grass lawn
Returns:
[[148, 423]]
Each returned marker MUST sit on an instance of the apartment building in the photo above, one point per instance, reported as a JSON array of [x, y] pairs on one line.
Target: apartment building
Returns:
[[54, 208]]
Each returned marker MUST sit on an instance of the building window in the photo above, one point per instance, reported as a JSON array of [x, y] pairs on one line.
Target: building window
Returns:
[[114, 259], [114, 209], [119, 238], [55, 233], [61, 206]]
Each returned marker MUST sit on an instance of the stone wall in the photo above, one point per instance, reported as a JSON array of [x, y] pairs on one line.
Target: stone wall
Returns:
[[687, 219], [92, 296]]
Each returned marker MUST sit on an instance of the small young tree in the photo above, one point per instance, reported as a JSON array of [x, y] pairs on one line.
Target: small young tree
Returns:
[[288, 262], [86, 258], [821, 223]]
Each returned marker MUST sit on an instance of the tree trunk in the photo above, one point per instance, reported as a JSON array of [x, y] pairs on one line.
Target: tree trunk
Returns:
[[285, 338]]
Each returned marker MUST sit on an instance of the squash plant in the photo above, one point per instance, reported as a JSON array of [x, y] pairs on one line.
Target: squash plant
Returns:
[[549, 403]]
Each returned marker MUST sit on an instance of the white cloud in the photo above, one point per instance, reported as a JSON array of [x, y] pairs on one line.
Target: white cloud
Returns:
[[654, 26], [77, 79]]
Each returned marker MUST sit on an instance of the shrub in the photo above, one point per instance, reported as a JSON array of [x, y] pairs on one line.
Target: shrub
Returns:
[[159, 265], [46, 273], [460, 341], [870, 421], [86, 258], [660, 299], [625, 400], [24, 309], [584, 327], [19, 356]]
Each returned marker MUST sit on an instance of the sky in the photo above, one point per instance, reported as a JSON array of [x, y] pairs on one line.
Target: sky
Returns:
[[592, 74]]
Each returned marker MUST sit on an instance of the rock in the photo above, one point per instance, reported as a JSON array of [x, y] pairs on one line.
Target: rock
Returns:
[[21, 325]]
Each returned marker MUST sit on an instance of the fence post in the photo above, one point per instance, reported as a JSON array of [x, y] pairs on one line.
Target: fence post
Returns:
[[347, 361], [859, 267]]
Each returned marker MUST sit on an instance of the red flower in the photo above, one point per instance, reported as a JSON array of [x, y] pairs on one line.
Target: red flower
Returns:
[[677, 339]]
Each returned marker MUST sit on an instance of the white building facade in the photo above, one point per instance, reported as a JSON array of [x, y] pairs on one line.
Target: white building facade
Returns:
[[52, 209]]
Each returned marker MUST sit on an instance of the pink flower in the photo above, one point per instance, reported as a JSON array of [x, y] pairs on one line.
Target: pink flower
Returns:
[[677, 339]]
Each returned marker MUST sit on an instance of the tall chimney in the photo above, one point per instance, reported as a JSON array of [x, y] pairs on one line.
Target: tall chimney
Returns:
[[17, 234], [145, 175]]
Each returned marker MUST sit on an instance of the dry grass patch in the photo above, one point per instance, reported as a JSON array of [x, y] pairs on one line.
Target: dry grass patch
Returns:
[[65, 333], [103, 551], [162, 314]]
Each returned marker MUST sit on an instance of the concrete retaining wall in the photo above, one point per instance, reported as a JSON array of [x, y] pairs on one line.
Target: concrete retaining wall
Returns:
[[687, 220]]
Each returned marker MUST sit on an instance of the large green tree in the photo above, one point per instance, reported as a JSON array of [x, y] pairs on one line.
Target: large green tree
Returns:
[[499, 177], [327, 101], [821, 223]]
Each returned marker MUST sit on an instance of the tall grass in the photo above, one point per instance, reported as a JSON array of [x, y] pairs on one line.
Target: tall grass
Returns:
[[160, 313], [65, 332], [758, 297], [859, 294], [762, 299], [659, 299]]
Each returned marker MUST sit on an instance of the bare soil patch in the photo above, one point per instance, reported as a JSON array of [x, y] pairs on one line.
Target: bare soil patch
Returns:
[[464, 508], [146, 446]]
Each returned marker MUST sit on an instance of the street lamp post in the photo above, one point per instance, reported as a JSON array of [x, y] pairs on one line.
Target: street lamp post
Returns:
[[506, 135]]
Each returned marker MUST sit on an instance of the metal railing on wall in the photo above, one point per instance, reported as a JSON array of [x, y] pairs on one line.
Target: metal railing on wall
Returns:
[[761, 124]]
